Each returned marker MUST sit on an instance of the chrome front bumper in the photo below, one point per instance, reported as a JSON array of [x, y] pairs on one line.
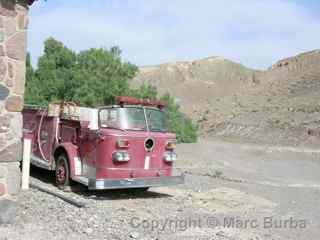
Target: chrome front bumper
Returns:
[[100, 184]]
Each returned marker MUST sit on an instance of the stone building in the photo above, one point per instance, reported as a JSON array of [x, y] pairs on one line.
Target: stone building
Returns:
[[13, 42]]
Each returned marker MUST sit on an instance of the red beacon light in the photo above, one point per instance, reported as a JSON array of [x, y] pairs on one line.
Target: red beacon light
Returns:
[[122, 100]]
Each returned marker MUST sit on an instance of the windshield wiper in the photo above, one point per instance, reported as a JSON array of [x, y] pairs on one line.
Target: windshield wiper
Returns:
[[157, 130], [137, 129], [124, 130]]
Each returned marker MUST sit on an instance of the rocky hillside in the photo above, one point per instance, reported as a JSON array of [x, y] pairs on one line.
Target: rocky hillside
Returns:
[[279, 105]]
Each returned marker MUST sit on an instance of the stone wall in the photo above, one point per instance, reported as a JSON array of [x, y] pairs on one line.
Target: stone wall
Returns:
[[13, 35]]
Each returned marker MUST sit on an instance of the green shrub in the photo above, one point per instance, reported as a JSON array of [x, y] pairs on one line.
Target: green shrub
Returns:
[[179, 123]]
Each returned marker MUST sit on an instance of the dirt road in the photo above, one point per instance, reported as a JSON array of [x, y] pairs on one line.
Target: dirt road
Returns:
[[282, 182], [232, 191]]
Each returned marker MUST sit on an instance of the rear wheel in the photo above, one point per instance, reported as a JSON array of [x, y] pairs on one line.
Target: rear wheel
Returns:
[[62, 172]]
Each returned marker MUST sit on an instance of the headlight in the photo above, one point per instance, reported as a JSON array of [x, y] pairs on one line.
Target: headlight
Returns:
[[170, 156], [121, 156]]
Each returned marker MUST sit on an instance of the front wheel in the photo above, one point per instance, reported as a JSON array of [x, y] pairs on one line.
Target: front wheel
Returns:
[[62, 172]]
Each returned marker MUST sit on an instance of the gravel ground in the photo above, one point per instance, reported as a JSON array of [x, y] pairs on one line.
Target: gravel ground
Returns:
[[216, 193], [117, 215]]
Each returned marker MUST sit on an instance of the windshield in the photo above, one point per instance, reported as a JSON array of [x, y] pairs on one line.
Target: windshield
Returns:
[[157, 120], [133, 118]]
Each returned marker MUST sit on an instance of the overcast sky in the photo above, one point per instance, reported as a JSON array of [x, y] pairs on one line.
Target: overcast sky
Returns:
[[254, 32]]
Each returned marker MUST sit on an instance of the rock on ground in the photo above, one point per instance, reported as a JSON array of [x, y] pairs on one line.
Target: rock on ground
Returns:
[[8, 211]]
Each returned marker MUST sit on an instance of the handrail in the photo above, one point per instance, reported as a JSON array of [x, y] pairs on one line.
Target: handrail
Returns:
[[35, 107]]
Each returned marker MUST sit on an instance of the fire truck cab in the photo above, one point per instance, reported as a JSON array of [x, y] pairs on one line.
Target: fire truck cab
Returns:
[[127, 145]]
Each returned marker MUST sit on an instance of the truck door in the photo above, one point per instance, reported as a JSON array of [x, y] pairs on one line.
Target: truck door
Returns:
[[45, 135], [88, 149]]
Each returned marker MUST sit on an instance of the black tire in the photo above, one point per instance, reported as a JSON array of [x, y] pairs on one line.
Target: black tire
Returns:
[[62, 172]]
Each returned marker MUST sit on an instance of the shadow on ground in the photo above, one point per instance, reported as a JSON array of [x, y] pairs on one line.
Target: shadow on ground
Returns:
[[48, 177]]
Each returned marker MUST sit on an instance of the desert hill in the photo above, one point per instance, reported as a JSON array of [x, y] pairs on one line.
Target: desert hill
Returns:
[[229, 100]]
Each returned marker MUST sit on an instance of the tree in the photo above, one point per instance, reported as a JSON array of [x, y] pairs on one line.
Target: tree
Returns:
[[33, 93], [102, 75], [56, 71], [145, 91], [93, 78]]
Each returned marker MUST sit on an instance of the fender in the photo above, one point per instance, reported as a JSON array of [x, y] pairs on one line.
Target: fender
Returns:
[[72, 153]]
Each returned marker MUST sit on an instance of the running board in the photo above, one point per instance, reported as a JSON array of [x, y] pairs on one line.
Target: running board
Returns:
[[40, 162], [81, 179]]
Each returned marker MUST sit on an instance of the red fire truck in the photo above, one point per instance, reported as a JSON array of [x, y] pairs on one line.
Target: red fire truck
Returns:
[[127, 145]]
